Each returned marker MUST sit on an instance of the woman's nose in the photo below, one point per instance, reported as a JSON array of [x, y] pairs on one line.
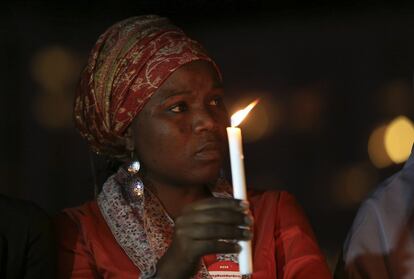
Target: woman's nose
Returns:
[[204, 121]]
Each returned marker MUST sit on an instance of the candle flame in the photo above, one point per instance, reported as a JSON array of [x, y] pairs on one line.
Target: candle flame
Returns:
[[239, 116]]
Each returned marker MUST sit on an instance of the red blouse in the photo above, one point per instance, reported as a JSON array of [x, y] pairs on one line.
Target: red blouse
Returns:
[[283, 245]]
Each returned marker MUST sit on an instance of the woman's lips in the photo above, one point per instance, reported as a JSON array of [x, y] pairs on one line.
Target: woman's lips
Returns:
[[209, 152]]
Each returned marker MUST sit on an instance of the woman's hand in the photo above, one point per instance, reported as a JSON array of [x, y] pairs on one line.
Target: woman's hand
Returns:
[[206, 227]]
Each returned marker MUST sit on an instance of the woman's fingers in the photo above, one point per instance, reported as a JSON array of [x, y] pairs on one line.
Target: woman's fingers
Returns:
[[215, 232], [212, 226], [216, 216], [218, 203]]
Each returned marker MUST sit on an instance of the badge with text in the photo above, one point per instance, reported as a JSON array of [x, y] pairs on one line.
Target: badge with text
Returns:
[[224, 270]]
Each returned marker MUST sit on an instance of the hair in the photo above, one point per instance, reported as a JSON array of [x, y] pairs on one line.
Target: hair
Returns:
[[102, 168]]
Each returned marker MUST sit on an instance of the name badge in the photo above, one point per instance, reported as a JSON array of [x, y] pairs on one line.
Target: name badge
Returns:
[[224, 270]]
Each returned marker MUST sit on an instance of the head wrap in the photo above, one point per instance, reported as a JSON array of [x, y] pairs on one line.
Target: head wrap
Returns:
[[128, 63]]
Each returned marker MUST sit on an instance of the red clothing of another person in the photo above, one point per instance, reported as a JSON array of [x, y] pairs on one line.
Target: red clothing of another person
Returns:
[[283, 246]]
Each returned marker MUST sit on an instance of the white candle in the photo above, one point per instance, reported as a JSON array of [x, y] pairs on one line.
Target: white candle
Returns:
[[239, 192], [239, 180]]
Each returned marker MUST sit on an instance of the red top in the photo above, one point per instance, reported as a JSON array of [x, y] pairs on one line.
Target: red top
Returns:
[[283, 245]]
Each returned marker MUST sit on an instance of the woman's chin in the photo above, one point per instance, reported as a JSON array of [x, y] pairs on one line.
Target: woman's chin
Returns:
[[206, 176]]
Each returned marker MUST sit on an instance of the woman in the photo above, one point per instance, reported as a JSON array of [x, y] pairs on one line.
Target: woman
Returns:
[[152, 95]]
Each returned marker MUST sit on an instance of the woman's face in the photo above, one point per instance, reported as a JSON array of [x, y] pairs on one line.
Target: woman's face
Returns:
[[180, 135]]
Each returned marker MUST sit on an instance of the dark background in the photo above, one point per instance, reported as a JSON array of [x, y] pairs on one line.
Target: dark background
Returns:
[[327, 74]]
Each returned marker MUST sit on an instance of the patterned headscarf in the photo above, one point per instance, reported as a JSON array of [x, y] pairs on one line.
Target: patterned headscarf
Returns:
[[128, 63]]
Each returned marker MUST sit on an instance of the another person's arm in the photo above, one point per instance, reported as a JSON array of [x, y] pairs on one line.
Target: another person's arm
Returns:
[[40, 247], [365, 254]]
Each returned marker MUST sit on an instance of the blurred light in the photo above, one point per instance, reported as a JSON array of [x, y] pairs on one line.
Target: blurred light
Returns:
[[376, 148], [392, 143], [399, 138], [353, 183], [55, 68]]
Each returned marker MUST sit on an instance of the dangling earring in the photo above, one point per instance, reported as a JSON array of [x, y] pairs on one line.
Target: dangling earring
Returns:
[[135, 186]]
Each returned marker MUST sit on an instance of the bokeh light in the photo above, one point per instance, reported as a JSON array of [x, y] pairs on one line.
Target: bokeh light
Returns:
[[399, 138], [56, 70], [376, 148], [391, 144], [55, 67]]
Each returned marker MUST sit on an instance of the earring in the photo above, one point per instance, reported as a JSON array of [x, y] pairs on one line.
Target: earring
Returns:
[[135, 186]]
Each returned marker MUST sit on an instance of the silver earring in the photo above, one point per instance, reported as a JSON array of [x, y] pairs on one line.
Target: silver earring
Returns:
[[135, 186]]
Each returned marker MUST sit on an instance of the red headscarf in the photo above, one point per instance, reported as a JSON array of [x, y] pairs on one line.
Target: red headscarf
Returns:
[[128, 63]]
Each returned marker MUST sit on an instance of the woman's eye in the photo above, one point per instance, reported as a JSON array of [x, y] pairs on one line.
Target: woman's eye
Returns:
[[216, 101], [178, 108]]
